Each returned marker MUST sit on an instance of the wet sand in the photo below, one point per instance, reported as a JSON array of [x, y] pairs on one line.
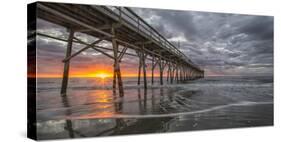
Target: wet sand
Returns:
[[199, 105]]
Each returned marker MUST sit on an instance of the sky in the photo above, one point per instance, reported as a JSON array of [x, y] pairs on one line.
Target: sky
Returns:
[[221, 44]]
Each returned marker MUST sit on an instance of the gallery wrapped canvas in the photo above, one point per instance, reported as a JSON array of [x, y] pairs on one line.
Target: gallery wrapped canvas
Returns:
[[98, 70]]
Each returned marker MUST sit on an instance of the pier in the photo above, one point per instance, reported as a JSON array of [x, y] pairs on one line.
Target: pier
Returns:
[[125, 30]]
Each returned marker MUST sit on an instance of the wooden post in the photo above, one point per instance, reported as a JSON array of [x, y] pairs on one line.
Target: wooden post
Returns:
[[177, 75], [114, 77], [140, 65], [180, 74], [168, 72], [67, 63], [189, 74], [145, 99], [161, 68], [152, 70], [161, 77], [172, 74], [120, 83], [116, 64], [144, 68], [183, 74], [186, 73]]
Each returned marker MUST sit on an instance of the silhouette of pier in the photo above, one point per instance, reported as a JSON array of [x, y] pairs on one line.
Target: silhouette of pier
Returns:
[[125, 30]]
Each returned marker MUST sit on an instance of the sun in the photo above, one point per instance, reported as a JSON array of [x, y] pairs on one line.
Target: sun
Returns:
[[102, 75]]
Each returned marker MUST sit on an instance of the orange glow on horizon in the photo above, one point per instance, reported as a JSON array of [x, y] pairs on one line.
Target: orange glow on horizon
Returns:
[[98, 71], [94, 75], [86, 75]]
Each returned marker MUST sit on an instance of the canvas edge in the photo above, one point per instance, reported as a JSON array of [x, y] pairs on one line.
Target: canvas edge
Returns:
[[31, 70]]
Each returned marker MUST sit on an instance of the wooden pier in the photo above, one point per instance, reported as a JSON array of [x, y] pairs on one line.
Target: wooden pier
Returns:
[[125, 30]]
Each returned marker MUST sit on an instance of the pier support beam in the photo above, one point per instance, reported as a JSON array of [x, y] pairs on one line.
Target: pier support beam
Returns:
[[152, 70], [184, 73], [67, 63], [116, 66], [173, 73], [140, 65], [180, 73], [189, 74], [161, 69], [169, 72], [177, 73], [154, 63], [144, 67]]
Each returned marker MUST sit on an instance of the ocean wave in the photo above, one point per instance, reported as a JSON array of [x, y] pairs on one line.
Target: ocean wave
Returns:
[[185, 86], [242, 103]]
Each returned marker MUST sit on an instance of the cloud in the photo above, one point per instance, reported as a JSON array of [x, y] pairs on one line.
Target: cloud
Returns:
[[259, 27], [229, 44], [224, 44]]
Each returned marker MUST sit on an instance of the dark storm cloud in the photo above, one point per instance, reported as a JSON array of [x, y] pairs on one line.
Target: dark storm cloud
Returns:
[[170, 20], [229, 44], [260, 27], [175, 19]]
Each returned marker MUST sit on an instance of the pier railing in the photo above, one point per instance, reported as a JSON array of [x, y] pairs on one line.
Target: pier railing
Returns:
[[127, 15]]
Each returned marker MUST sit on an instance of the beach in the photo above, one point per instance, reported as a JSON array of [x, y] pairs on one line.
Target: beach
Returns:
[[92, 108]]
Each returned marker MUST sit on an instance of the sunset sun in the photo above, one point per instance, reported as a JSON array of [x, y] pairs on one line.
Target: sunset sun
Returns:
[[102, 75]]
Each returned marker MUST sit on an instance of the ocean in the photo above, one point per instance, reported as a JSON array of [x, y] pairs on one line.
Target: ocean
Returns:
[[91, 108]]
